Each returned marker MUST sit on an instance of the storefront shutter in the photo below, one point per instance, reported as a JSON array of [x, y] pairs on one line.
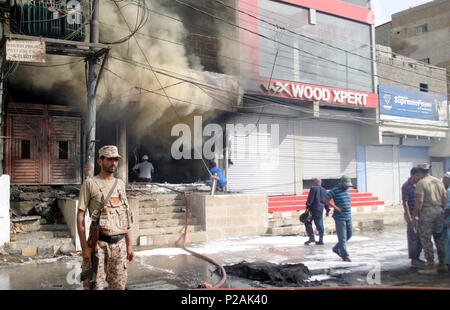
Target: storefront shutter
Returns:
[[328, 149], [260, 164]]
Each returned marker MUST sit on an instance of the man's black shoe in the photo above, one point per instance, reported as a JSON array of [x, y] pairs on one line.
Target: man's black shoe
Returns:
[[309, 241]]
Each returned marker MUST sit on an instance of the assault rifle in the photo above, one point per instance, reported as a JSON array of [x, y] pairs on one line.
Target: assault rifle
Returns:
[[91, 273]]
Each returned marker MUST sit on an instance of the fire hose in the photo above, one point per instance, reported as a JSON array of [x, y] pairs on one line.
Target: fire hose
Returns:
[[208, 259]]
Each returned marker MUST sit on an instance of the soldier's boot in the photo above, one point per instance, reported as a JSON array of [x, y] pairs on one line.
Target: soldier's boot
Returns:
[[442, 267], [430, 269]]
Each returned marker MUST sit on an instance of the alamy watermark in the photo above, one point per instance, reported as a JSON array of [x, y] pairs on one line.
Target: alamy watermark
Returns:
[[73, 276], [256, 141], [374, 275], [74, 15]]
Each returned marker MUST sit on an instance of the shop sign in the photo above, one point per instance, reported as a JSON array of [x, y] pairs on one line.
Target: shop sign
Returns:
[[293, 90], [416, 107]]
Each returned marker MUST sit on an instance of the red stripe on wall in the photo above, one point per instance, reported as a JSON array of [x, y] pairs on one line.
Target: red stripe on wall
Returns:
[[338, 8]]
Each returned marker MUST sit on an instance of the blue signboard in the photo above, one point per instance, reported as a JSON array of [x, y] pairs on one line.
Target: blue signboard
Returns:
[[413, 106]]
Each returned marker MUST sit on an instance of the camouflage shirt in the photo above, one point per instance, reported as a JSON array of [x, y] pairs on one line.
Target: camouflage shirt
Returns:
[[91, 197]]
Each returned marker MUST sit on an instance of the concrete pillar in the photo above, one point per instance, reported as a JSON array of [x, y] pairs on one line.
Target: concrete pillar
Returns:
[[4, 209], [298, 159], [69, 210], [122, 145], [1, 108], [134, 207]]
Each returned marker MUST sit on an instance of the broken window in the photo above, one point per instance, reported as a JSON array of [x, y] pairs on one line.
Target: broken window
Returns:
[[63, 149], [25, 149]]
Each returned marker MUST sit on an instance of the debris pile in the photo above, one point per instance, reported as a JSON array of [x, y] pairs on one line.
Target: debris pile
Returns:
[[134, 189], [289, 275], [40, 200], [16, 228]]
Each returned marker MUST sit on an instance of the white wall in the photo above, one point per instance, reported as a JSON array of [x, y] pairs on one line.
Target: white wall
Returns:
[[4, 209]]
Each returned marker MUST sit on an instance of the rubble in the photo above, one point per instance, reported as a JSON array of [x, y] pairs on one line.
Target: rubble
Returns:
[[272, 274], [134, 189], [40, 200], [16, 228]]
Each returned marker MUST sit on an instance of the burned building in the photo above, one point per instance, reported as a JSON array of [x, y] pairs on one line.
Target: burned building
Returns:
[[167, 70]]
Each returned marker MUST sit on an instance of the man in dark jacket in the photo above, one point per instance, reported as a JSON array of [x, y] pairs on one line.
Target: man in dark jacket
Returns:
[[315, 205]]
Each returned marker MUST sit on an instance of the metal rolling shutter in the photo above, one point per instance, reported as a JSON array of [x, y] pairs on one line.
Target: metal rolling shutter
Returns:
[[328, 149], [265, 168], [411, 156], [380, 173]]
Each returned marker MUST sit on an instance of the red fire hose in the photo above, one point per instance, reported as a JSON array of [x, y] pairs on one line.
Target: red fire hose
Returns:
[[208, 259]]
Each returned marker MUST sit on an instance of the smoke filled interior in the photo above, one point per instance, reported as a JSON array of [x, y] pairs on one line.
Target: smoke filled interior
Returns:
[[155, 143]]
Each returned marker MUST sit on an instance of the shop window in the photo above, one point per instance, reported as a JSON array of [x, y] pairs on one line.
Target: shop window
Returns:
[[25, 148], [63, 150], [424, 87]]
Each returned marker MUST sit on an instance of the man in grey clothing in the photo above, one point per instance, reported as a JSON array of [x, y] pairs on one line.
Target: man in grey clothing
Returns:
[[144, 170]]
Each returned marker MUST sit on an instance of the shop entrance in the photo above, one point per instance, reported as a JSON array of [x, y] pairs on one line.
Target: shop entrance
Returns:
[[43, 145]]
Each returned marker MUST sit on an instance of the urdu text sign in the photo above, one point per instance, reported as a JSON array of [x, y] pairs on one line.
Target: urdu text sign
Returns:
[[24, 50]]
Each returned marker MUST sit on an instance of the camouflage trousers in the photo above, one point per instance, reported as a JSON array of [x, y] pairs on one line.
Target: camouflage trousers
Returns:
[[112, 266], [431, 224]]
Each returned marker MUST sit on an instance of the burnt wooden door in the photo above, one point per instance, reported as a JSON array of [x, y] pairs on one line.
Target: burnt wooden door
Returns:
[[25, 149], [64, 154], [43, 148]]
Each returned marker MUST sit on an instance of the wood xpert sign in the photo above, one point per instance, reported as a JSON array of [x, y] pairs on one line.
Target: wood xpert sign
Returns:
[[294, 90]]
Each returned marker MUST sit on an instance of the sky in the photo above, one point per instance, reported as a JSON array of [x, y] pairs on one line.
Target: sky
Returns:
[[385, 8]]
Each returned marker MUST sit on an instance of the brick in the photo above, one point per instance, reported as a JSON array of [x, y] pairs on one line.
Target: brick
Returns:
[[45, 250], [15, 252], [29, 252]]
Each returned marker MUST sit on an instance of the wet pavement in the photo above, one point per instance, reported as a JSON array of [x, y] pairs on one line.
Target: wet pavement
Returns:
[[379, 258]]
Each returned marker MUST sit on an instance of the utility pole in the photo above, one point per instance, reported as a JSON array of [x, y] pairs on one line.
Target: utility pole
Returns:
[[92, 77], [1, 98]]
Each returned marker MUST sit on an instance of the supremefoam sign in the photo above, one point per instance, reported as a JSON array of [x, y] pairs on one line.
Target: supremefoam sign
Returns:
[[293, 90], [416, 107]]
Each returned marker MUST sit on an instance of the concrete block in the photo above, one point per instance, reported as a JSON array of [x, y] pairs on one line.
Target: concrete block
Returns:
[[15, 252], [237, 221], [196, 237], [232, 232], [45, 251], [143, 240], [160, 240], [235, 211], [29, 252], [248, 231], [217, 221], [212, 210], [215, 234]]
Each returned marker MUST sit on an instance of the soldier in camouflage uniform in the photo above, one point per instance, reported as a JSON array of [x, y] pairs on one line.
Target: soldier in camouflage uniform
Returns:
[[429, 212], [113, 252]]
